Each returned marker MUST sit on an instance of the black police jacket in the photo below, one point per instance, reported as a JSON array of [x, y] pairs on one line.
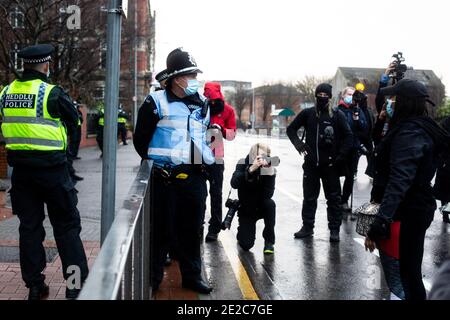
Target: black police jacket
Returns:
[[253, 188], [323, 148], [59, 105], [405, 163]]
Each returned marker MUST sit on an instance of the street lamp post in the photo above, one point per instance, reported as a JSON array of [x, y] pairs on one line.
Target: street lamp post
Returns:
[[111, 110]]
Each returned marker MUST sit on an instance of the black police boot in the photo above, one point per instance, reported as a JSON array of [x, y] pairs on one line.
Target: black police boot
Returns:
[[72, 294], [334, 236], [38, 292], [211, 237], [198, 285], [304, 232]]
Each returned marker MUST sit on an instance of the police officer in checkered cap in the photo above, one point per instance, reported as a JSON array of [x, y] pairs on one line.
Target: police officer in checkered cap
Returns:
[[37, 117]]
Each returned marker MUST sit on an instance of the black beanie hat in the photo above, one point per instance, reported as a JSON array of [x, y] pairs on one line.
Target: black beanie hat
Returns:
[[324, 87]]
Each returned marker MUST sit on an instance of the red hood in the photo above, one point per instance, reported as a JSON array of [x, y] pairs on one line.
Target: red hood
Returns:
[[213, 91]]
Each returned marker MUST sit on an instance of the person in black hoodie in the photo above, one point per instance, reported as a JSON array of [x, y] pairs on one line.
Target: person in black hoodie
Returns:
[[328, 141], [405, 163], [254, 179]]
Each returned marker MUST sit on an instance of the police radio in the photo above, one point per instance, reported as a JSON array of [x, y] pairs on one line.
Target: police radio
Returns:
[[205, 107]]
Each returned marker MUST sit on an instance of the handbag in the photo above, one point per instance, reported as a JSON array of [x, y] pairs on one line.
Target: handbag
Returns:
[[365, 216]]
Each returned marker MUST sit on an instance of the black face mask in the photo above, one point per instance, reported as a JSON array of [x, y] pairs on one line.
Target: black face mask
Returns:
[[322, 103], [217, 106]]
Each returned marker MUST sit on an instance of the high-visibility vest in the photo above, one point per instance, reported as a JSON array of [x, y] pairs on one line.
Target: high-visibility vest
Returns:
[[27, 125], [121, 120], [176, 129]]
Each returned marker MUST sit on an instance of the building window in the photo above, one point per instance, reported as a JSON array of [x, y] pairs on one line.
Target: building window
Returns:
[[103, 56], [15, 60], [17, 19]]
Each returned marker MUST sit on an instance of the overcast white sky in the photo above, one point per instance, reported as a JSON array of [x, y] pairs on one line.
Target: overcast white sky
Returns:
[[271, 40]]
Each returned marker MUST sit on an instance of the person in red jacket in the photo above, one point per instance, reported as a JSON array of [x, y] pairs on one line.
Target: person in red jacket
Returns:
[[223, 122]]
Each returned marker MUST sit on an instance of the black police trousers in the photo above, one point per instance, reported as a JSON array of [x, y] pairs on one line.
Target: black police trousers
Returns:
[[215, 191], [122, 130], [178, 209], [312, 175], [99, 137], [31, 189], [247, 223]]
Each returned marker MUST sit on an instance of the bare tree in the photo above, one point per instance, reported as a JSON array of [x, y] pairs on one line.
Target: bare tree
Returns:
[[78, 51], [307, 87], [239, 100]]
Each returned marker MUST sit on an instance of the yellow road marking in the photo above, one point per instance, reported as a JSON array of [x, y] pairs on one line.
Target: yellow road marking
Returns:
[[245, 285]]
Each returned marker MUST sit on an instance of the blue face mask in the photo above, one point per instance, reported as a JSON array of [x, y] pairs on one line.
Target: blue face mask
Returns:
[[192, 87], [389, 108], [348, 100]]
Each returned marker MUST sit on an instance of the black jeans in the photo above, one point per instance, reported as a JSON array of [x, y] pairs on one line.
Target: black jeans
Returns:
[[352, 166], [215, 191], [178, 209], [31, 189], [247, 223], [412, 237], [311, 189]]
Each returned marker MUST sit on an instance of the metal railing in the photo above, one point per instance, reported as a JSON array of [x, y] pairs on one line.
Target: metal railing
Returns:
[[122, 269]]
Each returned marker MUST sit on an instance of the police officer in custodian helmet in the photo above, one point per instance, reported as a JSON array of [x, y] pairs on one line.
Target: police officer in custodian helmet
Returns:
[[171, 130]]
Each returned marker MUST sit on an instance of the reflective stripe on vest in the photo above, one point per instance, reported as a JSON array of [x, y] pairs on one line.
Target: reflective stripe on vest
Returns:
[[178, 127], [121, 120], [27, 125]]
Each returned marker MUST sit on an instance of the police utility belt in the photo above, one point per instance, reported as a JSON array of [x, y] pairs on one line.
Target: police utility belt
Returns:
[[181, 172]]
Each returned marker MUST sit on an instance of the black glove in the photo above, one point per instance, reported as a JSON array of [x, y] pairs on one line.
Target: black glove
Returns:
[[302, 148], [380, 229]]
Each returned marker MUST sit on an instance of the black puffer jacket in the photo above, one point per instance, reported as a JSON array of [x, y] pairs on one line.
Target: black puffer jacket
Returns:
[[405, 163], [321, 150], [253, 188]]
